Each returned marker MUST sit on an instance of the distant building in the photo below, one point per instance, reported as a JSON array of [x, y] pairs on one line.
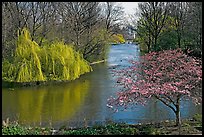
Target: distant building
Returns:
[[129, 33]]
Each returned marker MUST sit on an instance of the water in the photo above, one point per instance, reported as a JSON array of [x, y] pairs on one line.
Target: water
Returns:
[[83, 101]]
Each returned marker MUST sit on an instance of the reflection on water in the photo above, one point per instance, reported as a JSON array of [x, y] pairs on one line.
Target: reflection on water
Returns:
[[84, 99], [43, 104]]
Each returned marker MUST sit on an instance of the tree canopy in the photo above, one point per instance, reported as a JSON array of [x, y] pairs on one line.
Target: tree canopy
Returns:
[[48, 62]]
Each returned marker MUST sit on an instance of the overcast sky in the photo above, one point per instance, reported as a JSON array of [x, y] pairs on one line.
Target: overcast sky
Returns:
[[129, 7]]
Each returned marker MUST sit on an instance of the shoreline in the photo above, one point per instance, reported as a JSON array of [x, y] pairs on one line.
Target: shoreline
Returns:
[[7, 84], [188, 127], [97, 62]]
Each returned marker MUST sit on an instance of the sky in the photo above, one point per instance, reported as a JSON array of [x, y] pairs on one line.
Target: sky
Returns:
[[129, 7]]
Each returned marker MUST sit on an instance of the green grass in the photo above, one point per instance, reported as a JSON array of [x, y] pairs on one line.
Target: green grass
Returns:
[[162, 128]]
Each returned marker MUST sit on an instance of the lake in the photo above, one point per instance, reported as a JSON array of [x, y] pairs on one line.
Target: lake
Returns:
[[83, 101]]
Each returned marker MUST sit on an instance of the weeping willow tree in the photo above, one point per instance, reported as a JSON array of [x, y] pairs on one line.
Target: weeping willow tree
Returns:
[[62, 62], [49, 62], [118, 38]]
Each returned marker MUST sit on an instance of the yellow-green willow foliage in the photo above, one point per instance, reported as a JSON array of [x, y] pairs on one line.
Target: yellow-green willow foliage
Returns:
[[62, 62], [118, 38], [49, 62]]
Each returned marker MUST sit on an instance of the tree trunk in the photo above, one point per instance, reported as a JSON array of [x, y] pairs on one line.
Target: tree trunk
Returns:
[[178, 114], [155, 43], [179, 41], [178, 117], [148, 45]]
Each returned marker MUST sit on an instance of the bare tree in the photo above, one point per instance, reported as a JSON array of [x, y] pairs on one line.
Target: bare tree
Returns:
[[79, 23], [13, 19], [193, 26], [177, 11], [113, 15], [154, 15]]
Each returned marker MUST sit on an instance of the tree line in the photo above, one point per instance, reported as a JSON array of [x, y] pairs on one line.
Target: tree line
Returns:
[[170, 25], [165, 31], [87, 25]]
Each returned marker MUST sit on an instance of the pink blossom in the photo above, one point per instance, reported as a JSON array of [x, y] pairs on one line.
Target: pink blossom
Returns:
[[178, 83], [129, 80], [171, 75], [133, 90], [165, 74], [187, 86], [158, 74]]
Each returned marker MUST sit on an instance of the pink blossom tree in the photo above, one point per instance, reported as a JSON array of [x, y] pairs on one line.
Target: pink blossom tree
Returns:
[[168, 76]]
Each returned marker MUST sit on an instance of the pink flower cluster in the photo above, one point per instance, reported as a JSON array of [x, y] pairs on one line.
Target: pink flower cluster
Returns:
[[166, 74]]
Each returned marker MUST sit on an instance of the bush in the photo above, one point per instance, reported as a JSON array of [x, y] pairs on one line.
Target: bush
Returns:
[[149, 130], [14, 130], [198, 118]]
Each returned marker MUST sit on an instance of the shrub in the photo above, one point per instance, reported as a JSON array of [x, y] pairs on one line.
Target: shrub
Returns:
[[14, 129]]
